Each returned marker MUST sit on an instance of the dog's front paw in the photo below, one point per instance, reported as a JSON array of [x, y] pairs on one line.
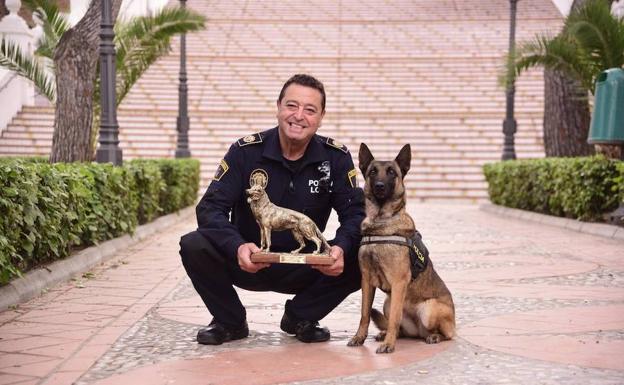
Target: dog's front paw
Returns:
[[356, 341], [433, 338], [385, 348]]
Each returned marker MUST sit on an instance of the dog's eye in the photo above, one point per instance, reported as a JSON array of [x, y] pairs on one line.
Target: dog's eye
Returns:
[[372, 172], [391, 172]]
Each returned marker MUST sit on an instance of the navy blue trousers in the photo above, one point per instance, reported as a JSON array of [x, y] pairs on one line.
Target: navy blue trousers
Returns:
[[214, 277]]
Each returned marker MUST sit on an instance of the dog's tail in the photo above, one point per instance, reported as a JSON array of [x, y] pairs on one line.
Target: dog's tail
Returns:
[[379, 319], [322, 238]]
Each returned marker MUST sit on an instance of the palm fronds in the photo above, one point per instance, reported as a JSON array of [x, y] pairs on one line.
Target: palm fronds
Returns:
[[559, 53], [12, 58], [139, 43], [599, 33], [142, 40], [591, 41], [54, 25]]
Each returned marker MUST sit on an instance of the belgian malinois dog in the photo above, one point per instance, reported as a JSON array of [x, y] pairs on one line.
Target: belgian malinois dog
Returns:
[[393, 258]]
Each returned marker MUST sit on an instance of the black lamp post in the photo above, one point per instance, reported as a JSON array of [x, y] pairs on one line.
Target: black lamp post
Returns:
[[109, 151], [182, 123], [509, 124]]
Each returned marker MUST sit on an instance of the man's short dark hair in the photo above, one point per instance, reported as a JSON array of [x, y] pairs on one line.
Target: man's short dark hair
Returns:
[[307, 81]]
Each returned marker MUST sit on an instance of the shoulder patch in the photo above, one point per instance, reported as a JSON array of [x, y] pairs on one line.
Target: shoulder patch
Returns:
[[250, 139], [221, 170], [335, 144], [352, 176]]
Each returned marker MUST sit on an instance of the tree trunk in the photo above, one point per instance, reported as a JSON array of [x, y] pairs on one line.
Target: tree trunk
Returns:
[[566, 113], [75, 61], [566, 116]]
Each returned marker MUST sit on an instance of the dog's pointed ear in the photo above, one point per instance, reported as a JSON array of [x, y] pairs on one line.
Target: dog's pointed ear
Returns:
[[365, 158], [404, 159]]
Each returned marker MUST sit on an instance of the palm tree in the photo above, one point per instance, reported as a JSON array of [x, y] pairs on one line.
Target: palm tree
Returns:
[[139, 42], [592, 40]]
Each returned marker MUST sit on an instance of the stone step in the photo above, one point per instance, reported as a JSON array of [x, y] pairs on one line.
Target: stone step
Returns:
[[421, 72], [419, 150], [399, 121], [420, 156], [459, 141]]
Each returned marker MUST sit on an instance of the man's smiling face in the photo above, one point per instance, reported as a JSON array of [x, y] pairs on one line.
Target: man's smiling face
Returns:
[[299, 113]]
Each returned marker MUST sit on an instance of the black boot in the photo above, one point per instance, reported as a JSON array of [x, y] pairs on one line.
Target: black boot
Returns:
[[304, 330], [217, 333]]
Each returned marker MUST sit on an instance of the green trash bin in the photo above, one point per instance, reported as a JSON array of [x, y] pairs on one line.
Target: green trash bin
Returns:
[[607, 124]]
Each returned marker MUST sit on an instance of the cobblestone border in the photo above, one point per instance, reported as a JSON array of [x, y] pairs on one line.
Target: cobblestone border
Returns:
[[600, 229], [155, 339], [34, 282]]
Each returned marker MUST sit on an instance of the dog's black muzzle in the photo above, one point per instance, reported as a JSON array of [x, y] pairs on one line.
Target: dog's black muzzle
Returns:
[[380, 190]]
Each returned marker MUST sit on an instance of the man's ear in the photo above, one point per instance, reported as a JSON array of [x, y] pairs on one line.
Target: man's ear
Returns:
[[365, 158], [404, 159]]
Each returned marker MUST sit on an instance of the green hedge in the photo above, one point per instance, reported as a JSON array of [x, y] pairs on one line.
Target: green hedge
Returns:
[[47, 210], [583, 188], [182, 179]]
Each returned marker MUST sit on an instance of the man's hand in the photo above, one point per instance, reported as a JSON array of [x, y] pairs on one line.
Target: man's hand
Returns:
[[337, 267], [244, 258]]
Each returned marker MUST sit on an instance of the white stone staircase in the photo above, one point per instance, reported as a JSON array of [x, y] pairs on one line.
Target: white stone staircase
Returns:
[[395, 72]]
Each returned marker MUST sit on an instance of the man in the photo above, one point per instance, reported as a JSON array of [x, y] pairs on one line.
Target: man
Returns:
[[301, 171]]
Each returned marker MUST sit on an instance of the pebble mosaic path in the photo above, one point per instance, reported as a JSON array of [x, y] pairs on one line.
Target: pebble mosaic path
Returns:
[[535, 304]]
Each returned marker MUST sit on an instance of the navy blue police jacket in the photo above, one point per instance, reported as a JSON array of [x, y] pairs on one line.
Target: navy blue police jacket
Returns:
[[326, 179]]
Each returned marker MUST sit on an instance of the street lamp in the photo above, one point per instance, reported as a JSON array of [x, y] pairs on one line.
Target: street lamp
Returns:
[[509, 124], [182, 123], [109, 151]]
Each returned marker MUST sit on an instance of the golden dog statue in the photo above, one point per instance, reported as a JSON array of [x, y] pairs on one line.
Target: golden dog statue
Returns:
[[271, 217]]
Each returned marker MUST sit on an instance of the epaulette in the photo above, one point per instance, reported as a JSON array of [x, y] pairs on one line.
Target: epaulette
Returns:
[[332, 143], [250, 139]]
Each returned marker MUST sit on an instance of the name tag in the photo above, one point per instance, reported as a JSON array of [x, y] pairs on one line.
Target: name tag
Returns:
[[292, 258]]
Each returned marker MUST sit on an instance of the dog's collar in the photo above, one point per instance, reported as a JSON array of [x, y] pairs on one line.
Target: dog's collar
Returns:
[[394, 239]]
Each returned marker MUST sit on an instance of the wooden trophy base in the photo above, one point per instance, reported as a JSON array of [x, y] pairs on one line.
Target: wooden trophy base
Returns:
[[305, 259]]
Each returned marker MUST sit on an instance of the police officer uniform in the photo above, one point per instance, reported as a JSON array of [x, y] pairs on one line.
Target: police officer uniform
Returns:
[[324, 178]]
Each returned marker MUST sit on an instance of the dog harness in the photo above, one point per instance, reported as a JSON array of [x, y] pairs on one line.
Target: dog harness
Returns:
[[419, 255]]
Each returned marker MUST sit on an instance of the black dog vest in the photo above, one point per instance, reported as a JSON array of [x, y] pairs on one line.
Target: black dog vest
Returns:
[[419, 255]]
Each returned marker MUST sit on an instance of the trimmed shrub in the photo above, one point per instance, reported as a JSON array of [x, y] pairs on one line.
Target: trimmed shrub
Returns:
[[47, 210], [18, 213], [149, 185], [182, 178], [584, 188]]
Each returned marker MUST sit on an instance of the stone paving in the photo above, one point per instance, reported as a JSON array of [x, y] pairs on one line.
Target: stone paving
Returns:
[[535, 304]]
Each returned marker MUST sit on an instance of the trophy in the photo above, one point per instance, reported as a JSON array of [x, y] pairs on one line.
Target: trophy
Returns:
[[271, 217]]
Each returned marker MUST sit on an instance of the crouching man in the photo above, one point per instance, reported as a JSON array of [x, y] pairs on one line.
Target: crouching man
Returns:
[[299, 170]]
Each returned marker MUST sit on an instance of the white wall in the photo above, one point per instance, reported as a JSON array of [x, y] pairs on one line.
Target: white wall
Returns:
[[128, 8], [15, 91], [563, 6], [617, 8], [131, 8]]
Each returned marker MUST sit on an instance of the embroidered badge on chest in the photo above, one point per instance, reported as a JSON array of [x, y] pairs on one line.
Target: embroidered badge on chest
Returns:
[[259, 176], [323, 184]]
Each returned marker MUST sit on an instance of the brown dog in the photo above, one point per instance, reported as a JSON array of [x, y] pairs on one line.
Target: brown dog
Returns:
[[418, 303], [271, 217]]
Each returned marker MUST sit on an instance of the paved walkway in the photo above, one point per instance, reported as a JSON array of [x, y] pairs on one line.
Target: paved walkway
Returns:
[[535, 304]]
